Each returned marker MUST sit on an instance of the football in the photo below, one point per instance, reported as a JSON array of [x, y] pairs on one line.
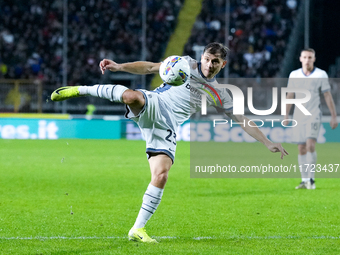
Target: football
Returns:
[[175, 70]]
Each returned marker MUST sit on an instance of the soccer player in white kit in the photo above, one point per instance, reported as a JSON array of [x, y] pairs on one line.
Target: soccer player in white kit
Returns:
[[305, 133], [159, 113]]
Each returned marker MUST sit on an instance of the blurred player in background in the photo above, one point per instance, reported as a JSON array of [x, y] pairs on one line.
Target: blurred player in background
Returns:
[[306, 132], [158, 113]]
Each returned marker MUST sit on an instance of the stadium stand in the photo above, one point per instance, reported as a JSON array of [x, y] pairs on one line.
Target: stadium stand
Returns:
[[259, 31], [31, 36]]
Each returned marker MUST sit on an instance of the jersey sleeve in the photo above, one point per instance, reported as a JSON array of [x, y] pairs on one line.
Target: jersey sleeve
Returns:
[[325, 86], [191, 61]]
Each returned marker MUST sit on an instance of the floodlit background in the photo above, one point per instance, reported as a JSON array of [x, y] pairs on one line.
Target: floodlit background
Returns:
[[73, 173]]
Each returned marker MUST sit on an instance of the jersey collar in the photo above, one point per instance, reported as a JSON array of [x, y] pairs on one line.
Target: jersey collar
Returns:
[[309, 74]]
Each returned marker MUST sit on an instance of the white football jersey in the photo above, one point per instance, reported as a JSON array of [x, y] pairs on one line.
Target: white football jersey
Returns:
[[316, 83], [185, 100]]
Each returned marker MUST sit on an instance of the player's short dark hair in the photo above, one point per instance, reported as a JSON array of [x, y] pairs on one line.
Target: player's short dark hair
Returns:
[[217, 48], [309, 50]]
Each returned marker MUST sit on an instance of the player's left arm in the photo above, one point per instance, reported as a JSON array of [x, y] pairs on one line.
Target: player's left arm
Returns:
[[251, 128], [137, 67], [331, 107]]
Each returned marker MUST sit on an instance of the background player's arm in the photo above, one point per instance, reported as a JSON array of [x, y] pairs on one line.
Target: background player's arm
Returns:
[[255, 132], [138, 67], [331, 107], [290, 95]]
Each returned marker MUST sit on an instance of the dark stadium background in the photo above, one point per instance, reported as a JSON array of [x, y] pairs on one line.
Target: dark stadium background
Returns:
[[72, 173], [325, 27], [84, 58]]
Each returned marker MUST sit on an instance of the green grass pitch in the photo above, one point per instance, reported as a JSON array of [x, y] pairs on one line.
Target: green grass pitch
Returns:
[[82, 197]]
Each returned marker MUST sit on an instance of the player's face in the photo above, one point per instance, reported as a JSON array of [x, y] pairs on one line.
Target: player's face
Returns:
[[307, 59], [211, 64]]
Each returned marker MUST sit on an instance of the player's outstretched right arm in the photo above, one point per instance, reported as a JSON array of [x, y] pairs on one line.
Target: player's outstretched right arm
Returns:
[[331, 107], [255, 132], [138, 67]]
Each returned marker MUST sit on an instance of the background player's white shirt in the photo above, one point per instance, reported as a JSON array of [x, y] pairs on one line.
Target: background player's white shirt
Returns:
[[185, 100], [316, 83]]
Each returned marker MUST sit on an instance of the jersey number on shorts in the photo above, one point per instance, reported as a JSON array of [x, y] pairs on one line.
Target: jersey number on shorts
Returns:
[[314, 126], [168, 137]]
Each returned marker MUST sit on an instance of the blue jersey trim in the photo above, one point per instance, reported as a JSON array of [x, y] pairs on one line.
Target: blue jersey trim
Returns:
[[162, 89], [310, 73], [326, 90]]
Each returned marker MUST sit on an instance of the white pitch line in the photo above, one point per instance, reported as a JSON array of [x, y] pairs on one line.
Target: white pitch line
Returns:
[[59, 237], [166, 237]]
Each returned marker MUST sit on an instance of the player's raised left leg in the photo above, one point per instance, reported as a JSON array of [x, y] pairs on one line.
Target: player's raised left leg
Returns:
[[114, 93], [64, 93]]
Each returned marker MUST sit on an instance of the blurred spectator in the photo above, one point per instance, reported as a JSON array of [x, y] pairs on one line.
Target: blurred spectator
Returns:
[[31, 36], [259, 30]]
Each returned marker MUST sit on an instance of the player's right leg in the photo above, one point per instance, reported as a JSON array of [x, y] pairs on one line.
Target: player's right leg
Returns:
[[114, 93], [311, 161], [303, 167], [306, 159], [160, 165]]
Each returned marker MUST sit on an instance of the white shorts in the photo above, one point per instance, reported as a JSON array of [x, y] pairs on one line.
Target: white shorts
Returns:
[[157, 123], [304, 131]]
